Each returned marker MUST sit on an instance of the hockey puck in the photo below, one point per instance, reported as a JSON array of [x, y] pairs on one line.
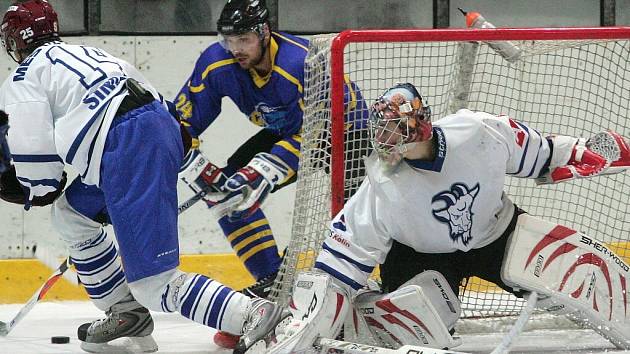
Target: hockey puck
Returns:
[[60, 340]]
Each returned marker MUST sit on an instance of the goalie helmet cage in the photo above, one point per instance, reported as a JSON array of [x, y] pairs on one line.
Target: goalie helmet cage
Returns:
[[573, 81]]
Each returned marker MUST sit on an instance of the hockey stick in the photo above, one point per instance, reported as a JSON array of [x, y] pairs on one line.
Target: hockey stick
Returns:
[[219, 208], [39, 294], [192, 200], [349, 347], [59, 272], [506, 343]]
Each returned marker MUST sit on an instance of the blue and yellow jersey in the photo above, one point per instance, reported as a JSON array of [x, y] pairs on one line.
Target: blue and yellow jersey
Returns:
[[274, 102]]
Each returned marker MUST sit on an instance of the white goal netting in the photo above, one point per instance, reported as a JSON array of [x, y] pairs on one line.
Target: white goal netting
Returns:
[[575, 87]]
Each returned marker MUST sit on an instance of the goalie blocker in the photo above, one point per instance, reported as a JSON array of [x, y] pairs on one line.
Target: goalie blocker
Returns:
[[575, 274], [421, 312]]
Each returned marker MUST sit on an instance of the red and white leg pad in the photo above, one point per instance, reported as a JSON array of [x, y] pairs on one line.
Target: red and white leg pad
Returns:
[[576, 275], [318, 308], [420, 312]]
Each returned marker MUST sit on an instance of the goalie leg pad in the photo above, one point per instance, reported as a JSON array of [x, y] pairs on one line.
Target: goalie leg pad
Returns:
[[583, 277], [317, 308], [420, 312]]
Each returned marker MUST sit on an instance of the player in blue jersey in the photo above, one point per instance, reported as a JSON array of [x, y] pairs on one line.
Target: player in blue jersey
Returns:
[[78, 107], [262, 72]]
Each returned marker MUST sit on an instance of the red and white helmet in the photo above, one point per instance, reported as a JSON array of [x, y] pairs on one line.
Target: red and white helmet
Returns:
[[27, 25], [399, 119]]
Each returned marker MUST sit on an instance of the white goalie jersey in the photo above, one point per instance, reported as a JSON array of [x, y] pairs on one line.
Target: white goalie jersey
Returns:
[[455, 202], [61, 101]]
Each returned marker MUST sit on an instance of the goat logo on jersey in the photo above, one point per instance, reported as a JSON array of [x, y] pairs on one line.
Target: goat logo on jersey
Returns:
[[454, 207], [274, 118]]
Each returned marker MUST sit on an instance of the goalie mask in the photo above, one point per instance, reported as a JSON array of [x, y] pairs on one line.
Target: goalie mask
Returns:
[[398, 121], [28, 25]]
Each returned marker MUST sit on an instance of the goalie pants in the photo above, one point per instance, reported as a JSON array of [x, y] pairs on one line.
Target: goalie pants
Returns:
[[403, 263]]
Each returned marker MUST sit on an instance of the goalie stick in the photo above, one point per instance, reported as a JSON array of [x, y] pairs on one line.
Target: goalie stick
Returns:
[[348, 347], [5, 328], [518, 326], [502, 348]]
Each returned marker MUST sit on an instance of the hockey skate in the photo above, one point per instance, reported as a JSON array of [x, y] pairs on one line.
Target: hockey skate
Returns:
[[259, 326], [129, 321], [260, 289]]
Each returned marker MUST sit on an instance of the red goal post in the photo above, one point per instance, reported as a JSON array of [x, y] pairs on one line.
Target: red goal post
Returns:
[[573, 81]]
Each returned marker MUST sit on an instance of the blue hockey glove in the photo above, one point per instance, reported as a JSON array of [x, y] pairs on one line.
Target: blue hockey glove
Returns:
[[254, 182]]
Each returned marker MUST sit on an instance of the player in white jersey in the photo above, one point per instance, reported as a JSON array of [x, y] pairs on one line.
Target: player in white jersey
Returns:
[[80, 107], [433, 201]]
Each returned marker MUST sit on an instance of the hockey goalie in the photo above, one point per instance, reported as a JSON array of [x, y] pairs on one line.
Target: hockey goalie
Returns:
[[433, 212]]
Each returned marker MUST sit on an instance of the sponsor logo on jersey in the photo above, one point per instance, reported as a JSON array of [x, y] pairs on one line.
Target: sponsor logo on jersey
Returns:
[[340, 239], [454, 208], [273, 118]]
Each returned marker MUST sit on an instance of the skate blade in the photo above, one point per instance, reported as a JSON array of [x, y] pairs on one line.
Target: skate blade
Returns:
[[123, 345]]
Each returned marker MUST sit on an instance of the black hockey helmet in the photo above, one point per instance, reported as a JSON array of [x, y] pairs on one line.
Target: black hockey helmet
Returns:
[[242, 16]]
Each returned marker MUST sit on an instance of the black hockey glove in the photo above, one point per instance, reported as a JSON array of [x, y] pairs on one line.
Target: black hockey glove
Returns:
[[11, 190]]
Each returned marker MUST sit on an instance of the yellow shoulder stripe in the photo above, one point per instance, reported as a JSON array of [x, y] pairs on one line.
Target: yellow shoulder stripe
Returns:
[[353, 95], [211, 67], [291, 41], [289, 77]]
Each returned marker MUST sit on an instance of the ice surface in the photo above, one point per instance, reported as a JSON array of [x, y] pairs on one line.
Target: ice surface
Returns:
[[177, 335]]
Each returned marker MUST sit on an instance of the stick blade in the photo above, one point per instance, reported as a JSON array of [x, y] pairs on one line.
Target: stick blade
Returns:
[[4, 329]]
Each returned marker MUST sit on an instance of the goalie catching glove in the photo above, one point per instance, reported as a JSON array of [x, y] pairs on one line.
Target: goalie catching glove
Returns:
[[254, 182], [604, 153]]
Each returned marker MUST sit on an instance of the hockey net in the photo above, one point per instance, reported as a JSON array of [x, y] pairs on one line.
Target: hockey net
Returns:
[[573, 81]]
